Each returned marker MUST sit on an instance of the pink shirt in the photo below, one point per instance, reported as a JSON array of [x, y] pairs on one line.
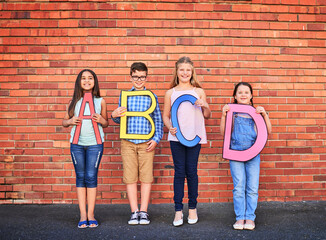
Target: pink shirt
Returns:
[[190, 117]]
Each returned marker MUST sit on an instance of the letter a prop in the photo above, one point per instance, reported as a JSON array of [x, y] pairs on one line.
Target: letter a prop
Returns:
[[175, 123], [87, 98], [145, 114], [261, 139]]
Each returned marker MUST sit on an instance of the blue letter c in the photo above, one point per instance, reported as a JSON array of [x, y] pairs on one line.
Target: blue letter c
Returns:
[[175, 123]]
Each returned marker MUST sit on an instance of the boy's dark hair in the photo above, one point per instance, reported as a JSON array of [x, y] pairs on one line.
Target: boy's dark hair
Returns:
[[138, 66], [236, 89]]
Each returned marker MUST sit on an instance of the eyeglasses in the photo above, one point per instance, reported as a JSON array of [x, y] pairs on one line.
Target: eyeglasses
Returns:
[[141, 78]]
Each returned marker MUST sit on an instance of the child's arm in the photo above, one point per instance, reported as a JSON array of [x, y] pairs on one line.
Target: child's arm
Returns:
[[202, 102], [103, 117], [225, 109], [68, 121], [118, 112], [167, 112], [262, 111], [157, 119]]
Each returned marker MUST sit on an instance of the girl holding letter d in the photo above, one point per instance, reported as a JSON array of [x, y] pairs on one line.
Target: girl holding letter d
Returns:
[[245, 174]]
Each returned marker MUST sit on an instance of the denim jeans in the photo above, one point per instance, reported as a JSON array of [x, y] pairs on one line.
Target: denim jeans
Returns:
[[245, 177], [185, 160], [86, 160]]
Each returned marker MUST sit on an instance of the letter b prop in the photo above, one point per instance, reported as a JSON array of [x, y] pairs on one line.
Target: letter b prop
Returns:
[[261, 139], [145, 114]]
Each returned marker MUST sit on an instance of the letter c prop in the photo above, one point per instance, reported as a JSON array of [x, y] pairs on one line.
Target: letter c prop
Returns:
[[175, 123], [261, 139]]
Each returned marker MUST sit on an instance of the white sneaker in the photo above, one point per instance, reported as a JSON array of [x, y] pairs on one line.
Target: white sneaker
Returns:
[[134, 218]]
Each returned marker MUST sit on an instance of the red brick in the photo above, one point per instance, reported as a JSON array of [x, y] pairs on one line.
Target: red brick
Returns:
[[38, 73]]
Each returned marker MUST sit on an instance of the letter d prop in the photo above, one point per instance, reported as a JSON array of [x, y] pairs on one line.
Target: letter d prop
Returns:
[[261, 139]]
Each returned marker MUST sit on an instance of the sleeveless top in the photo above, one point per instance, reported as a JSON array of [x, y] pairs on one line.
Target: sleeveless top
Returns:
[[87, 134], [190, 117]]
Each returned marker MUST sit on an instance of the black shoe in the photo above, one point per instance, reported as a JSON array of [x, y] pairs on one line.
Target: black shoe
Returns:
[[134, 218], [144, 218]]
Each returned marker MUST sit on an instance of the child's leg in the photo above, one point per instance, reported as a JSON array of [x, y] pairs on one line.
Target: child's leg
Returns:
[[93, 159], [145, 160], [91, 198], [130, 171], [78, 156], [239, 182], [145, 196], [81, 195], [252, 184], [192, 177], [132, 196], [179, 160]]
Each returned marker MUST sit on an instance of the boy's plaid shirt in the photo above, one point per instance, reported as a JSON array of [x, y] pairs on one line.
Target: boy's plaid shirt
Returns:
[[140, 125]]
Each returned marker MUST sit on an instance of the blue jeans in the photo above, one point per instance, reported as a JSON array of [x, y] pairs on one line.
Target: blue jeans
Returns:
[[185, 160], [245, 177], [86, 160]]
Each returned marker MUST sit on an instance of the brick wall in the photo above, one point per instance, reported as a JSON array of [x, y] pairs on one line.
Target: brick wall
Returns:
[[277, 45]]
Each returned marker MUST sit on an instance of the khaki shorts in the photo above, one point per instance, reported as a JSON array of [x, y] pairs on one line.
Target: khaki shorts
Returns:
[[137, 163]]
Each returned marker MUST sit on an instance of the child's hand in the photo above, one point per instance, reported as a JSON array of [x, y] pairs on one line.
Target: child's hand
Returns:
[[173, 130], [119, 112], [261, 110], [201, 103], [74, 121], [151, 145], [97, 118], [225, 109]]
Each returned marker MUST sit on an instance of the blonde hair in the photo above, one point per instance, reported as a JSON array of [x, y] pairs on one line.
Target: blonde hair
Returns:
[[193, 81]]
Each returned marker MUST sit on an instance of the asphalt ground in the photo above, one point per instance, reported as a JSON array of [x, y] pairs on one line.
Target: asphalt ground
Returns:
[[275, 220]]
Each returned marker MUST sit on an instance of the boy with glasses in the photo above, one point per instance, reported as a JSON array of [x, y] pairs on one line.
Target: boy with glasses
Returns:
[[138, 154]]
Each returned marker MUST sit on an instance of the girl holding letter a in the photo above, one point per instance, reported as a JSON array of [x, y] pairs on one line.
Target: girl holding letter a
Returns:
[[86, 147], [245, 174]]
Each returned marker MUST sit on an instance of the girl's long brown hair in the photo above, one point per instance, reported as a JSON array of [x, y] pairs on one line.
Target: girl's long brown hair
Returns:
[[79, 93], [193, 81]]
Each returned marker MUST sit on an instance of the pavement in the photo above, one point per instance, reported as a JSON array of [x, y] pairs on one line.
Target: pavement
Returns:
[[275, 220]]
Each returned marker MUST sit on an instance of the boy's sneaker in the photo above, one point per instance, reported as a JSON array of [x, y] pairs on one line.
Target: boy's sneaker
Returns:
[[134, 219], [144, 218]]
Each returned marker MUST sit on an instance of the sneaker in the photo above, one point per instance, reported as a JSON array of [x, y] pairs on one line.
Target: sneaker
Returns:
[[134, 218], [143, 218]]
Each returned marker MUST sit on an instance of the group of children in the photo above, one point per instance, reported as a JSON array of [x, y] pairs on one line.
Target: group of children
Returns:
[[138, 154]]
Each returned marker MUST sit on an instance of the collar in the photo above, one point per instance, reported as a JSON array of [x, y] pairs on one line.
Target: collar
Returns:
[[134, 89]]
